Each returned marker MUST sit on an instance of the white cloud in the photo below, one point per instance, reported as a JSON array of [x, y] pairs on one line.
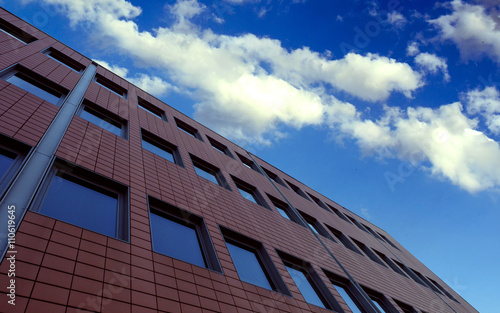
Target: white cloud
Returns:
[[339, 18], [474, 29], [152, 84], [485, 102], [412, 49], [246, 87], [396, 19], [432, 63]]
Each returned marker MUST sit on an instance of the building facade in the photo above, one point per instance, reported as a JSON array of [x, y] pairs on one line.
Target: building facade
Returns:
[[113, 201]]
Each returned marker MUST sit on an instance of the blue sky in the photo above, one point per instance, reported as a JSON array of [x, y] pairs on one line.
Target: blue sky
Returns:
[[390, 108]]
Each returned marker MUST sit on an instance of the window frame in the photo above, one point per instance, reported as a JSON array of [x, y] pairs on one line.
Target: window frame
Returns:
[[315, 224], [343, 239], [222, 148], [64, 59], [147, 106], [388, 241], [16, 32], [268, 267], [178, 215], [350, 290], [91, 180], [35, 80], [207, 167], [248, 163], [338, 213], [240, 184], [381, 300], [297, 190], [162, 144], [12, 147], [274, 177], [105, 115], [368, 252], [388, 261], [406, 308], [286, 208], [320, 203], [111, 86], [190, 130]]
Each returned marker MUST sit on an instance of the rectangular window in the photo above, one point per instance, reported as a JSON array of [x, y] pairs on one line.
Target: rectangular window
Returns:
[[425, 281], [374, 234], [318, 202], [380, 301], [12, 154], [314, 225], [249, 192], [148, 107], [346, 291], [181, 235], [343, 239], [85, 199], [64, 59], [219, 147], [308, 282], [358, 224], [405, 307], [442, 289], [161, 147], [410, 273], [297, 190], [103, 118], [388, 241], [248, 163], [252, 262], [369, 253], [338, 213], [35, 84], [275, 178], [188, 129], [16, 32], [391, 264], [209, 172], [284, 210], [110, 85]]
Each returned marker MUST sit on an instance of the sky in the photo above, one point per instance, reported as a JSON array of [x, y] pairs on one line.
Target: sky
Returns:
[[389, 108]]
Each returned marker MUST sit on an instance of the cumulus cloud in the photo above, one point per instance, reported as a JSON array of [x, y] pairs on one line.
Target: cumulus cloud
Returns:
[[432, 63], [473, 28], [412, 49], [152, 84], [246, 87], [485, 102], [396, 19]]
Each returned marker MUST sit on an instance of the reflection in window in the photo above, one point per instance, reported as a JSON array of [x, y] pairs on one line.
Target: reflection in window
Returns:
[[283, 213], [32, 86], [81, 203], [177, 239], [248, 194], [150, 108], [164, 152], [102, 121], [378, 304], [248, 266], [208, 171], [347, 298], [305, 286], [6, 160]]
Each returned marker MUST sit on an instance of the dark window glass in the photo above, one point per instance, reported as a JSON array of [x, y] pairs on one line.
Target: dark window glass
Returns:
[[305, 286], [176, 239], [297, 190], [6, 160], [313, 227], [379, 305], [30, 85], [219, 149], [111, 86], [347, 298], [339, 214], [207, 174], [16, 32], [248, 195], [164, 152], [64, 60], [219, 146], [283, 213], [148, 107], [101, 121], [78, 202], [248, 266], [188, 129]]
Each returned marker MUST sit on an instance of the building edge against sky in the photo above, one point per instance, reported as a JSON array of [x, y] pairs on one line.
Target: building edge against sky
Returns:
[[120, 203]]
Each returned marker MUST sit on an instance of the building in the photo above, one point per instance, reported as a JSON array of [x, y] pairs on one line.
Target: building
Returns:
[[113, 201]]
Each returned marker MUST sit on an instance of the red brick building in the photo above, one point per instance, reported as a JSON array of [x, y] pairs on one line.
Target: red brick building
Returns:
[[113, 201]]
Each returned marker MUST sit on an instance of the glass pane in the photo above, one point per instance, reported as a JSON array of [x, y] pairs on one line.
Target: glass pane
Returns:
[[176, 240], [145, 109], [283, 213], [313, 227], [81, 205], [219, 149], [103, 123], [378, 305], [158, 151], [305, 287], [248, 266], [5, 162], [188, 131], [207, 175], [347, 299], [20, 81], [247, 165], [247, 195]]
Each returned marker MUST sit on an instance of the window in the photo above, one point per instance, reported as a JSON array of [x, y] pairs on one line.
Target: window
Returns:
[[16, 32], [209, 172], [148, 107], [379, 301], [35, 84], [318, 202], [308, 282], [103, 118], [85, 199], [389, 262], [64, 59], [111, 86], [161, 147], [343, 239], [248, 163], [188, 129], [284, 210], [12, 154], [252, 262], [387, 240], [410, 273], [348, 294], [405, 307], [355, 222], [314, 225], [374, 234], [339, 214], [275, 178], [219, 147], [297, 190], [249, 192], [369, 253], [442, 289], [426, 281], [181, 235]]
